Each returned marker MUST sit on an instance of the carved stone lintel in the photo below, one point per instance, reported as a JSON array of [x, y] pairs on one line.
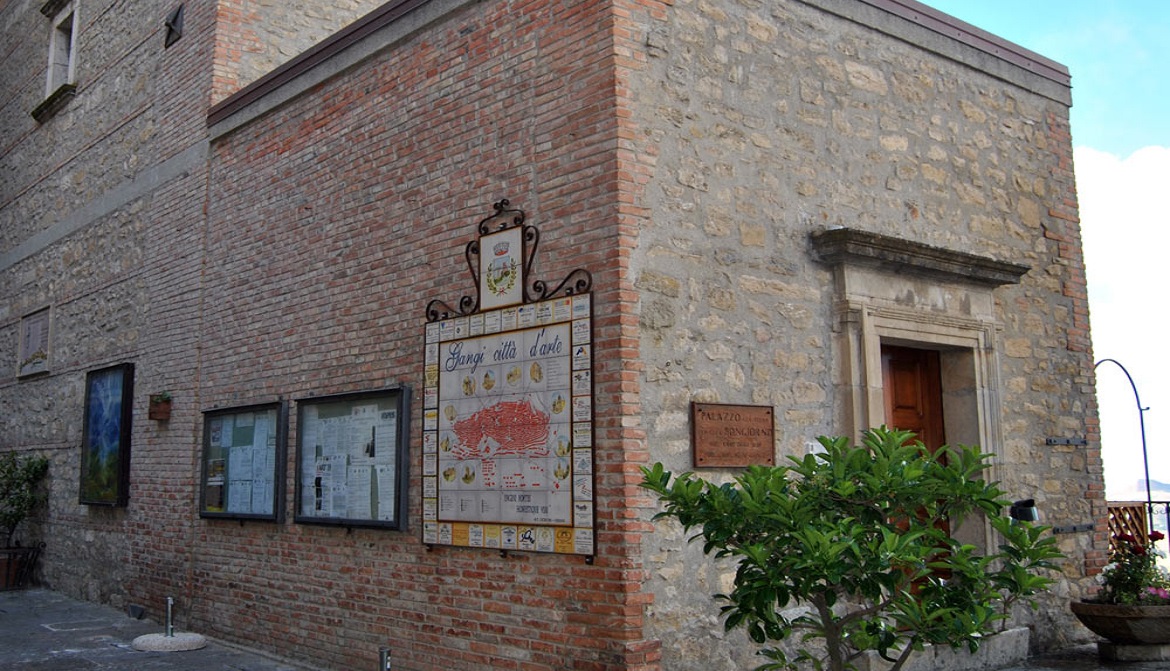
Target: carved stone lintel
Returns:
[[899, 256], [52, 7]]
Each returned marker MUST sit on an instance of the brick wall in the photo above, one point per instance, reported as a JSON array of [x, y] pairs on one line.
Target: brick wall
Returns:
[[332, 221], [254, 37]]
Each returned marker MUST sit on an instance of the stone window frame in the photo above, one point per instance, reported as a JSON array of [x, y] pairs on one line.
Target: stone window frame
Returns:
[[868, 327], [61, 69]]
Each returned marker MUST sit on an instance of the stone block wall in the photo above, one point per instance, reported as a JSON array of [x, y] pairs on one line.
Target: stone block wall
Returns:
[[770, 121], [112, 120], [254, 37], [77, 218]]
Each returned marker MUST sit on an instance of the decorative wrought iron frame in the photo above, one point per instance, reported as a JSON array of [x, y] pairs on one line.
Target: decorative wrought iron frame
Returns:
[[578, 281], [576, 285]]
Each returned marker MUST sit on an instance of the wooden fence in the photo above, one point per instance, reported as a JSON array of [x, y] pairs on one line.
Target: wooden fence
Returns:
[[1128, 517]]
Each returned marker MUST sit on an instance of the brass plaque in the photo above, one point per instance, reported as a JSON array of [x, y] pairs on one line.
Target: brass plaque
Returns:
[[732, 435]]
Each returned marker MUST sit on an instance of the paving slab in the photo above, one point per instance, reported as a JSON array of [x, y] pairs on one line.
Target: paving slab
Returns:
[[41, 630]]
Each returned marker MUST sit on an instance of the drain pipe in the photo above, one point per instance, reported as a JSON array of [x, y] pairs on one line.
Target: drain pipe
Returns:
[[384, 659], [170, 625]]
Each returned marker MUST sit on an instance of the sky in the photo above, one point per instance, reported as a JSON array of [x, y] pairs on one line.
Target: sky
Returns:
[[1118, 54]]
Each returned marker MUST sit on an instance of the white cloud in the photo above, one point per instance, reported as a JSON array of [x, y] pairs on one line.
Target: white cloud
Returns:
[[1125, 228]]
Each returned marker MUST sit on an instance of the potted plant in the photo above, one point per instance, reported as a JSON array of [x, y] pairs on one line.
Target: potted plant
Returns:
[[1133, 606], [160, 406], [858, 536], [19, 497]]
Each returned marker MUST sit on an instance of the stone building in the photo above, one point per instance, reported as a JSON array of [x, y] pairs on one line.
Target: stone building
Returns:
[[777, 205]]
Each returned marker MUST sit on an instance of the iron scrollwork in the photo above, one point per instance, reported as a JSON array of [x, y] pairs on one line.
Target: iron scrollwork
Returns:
[[578, 281]]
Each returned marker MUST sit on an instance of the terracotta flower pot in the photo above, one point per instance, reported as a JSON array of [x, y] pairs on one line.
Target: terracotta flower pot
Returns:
[[159, 409], [16, 566], [1126, 625]]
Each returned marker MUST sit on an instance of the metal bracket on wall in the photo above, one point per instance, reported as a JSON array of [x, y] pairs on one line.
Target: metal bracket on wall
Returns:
[[1066, 441], [1072, 528]]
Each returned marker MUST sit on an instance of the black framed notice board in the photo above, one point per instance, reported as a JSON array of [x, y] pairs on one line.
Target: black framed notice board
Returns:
[[244, 453], [352, 456]]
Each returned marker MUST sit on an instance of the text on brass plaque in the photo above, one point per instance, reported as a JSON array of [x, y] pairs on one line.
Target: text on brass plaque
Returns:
[[732, 435]]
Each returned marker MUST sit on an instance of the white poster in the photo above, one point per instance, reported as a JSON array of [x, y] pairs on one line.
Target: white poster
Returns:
[[349, 458]]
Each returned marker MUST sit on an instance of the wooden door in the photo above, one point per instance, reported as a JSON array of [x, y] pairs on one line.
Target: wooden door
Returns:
[[912, 383]]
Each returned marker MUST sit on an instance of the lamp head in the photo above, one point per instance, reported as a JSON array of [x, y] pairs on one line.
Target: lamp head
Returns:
[[1024, 510]]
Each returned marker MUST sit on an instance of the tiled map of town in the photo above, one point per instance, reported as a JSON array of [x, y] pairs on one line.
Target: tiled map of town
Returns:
[[507, 435]]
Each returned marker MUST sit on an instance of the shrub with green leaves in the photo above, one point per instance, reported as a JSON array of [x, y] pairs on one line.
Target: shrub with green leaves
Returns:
[[19, 477], [859, 536]]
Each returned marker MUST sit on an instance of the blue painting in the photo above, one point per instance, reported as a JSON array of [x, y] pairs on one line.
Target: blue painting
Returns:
[[106, 449]]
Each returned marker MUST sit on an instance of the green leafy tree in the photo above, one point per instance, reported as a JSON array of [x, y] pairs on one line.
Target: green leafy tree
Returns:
[[859, 536]]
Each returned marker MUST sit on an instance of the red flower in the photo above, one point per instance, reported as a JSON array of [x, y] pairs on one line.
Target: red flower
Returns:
[[1128, 538], [1139, 549], [1157, 536]]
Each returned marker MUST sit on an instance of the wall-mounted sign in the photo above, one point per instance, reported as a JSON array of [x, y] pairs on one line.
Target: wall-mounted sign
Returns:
[[732, 435], [508, 405], [351, 459], [243, 462], [500, 269]]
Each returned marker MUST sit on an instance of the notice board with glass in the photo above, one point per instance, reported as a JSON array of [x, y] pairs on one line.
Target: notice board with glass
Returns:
[[352, 459], [243, 462], [507, 435]]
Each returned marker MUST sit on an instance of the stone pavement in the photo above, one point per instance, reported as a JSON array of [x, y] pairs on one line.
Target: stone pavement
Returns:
[[41, 630]]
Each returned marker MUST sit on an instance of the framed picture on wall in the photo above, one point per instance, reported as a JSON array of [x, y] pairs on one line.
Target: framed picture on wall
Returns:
[[508, 428], [105, 447], [352, 455], [243, 462], [34, 344]]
